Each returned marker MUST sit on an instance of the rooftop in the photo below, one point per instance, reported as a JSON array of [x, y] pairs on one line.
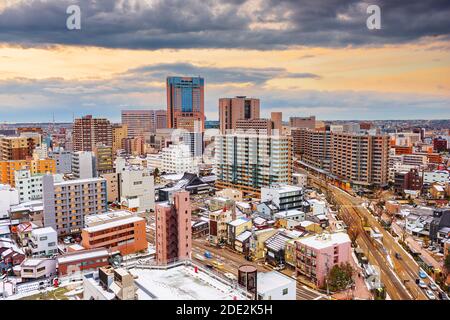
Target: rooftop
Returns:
[[268, 281], [112, 224], [181, 283], [325, 240], [82, 255]]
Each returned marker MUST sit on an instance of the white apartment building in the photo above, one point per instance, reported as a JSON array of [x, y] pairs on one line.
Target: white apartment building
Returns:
[[8, 197], [285, 197], [137, 190], [43, 242], [83, 165], [41, 152], [177, 158], [29, 186], [274, 285], [154, 161], [248, 162], [436, 177]]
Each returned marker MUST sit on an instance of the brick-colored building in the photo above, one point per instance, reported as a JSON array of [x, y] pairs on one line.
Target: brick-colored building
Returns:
[[89, 131], [173, 229], [231, 110], [119, 231]]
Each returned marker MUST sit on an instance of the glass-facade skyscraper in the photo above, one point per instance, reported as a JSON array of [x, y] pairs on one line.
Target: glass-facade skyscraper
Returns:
[[185, 103]]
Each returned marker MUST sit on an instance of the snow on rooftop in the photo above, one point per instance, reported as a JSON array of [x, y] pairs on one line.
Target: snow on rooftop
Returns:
[[82, 255], [181, 283], [325, 240], [113, 224], [268, 281], [239, 221]]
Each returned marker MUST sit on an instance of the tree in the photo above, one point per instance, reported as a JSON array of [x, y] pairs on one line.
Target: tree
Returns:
[[340, 276]]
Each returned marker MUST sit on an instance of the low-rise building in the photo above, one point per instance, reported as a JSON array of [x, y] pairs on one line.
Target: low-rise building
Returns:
[[43, 242], [316, 255], [274, 285], [235, 228], [117, 231], [82, 261], [36, 268]]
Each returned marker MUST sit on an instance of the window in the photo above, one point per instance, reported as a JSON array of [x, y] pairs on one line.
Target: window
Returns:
[[51, 244], [285, 291], [42, 238]]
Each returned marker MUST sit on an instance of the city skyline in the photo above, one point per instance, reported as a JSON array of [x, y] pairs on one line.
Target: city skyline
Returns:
[[304, 58]]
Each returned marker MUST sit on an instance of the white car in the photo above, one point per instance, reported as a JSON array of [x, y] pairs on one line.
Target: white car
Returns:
[[422, 284], [430, 295], [433, 286], [230, 276]]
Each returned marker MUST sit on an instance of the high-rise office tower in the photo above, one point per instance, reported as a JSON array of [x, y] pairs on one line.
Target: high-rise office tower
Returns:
[[185, 103], [249, 161], [89, 131], [173, 229], [233, 109]]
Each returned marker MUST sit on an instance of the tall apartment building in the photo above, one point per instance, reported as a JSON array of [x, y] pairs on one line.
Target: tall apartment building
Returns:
[[83, 165], [103, 159], [360, 158], [67, 203], [39, 166], [138, 122], [185, 103], [63, 160], [119, 132], [249, 162], [89, 131], [177, 158], [117, 231], [29, 186], [302, 122], [239, 108], [313, 146], [19, 147], [173, 229]]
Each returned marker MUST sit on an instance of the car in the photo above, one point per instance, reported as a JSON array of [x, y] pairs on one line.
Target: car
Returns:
[[422, 284], [422, 274], [433, 286], [66, 241], [443, 296], [430, 295], [230, 276], [217, 264], [398, 256]]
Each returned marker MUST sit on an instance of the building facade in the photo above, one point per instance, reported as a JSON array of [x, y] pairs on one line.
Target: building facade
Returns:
[[185, 103], [249, 162], [231, 110], [89, 131], [173, 229], [67, 203]]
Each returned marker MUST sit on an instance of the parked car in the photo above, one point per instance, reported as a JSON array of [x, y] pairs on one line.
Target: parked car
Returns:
[[443, 296], [430, 295], [230, 276], [433, 286], [422, 284]]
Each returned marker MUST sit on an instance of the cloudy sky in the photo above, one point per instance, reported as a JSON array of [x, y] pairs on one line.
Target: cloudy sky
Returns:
[[302, 57]]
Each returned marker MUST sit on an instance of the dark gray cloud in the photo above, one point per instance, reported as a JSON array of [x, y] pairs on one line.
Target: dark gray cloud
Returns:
[[213, 75], [223, 23]]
